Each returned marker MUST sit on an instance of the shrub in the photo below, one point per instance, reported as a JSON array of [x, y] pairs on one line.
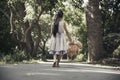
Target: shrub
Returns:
[[116, 53], [16, 56], [80, 57]]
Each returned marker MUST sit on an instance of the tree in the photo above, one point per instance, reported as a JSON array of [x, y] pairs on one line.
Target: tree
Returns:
[[45, 34], [6, 42], [111, 22], [24, 20], [94, 30]]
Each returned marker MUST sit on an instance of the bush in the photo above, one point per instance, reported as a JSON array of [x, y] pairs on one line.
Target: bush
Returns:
[[19, 56], [7, 59], [116, 53], [80, 57], [16, 56], [111, 42]]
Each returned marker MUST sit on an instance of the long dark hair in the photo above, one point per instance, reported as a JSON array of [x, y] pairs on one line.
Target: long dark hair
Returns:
[[58, 16]]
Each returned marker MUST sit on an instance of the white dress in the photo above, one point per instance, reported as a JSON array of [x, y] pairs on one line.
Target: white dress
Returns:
[[58, 44]]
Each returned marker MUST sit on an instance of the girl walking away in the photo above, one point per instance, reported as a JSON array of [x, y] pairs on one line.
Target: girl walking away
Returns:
[[58, 45]]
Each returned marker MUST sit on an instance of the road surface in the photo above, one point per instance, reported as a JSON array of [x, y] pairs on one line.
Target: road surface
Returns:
[[66, 71]]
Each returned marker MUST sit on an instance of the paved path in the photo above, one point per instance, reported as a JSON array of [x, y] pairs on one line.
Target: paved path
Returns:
[[67, 71]]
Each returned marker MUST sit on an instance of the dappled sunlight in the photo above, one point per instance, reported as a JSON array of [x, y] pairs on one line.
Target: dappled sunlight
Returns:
[[8, 66], [63, 70], [83, 70], [43, 74], [102, 71]]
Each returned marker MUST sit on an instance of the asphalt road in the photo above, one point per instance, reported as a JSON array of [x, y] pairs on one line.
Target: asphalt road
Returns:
[[66, 71]]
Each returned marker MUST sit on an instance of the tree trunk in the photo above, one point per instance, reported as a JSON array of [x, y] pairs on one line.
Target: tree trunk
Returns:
[[95, 31], [36, 45], [28, 40]]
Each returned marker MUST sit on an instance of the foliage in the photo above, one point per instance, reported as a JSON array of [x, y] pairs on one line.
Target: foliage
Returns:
[[111, 17], [78, 4], [110, 11], [45, 34], [116, 52], [6, 42], [72, 15], [38, 14], [19, 55], [16, 56], [26, 22], [81, 33], [111, 42], [80, 57]]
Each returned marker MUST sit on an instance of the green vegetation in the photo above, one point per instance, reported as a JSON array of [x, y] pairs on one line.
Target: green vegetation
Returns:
[[25, 28]]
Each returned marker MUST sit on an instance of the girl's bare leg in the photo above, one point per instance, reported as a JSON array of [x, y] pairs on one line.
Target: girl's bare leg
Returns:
[[58, 59], [55, 60]]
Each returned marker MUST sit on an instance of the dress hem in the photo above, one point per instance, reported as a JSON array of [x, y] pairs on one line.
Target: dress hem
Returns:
[[62, 52]]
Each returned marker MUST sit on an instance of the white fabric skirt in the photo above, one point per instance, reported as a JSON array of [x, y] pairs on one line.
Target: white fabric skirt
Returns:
[[58, 44]]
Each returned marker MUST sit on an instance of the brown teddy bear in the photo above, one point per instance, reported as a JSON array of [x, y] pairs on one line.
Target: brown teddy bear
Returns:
[[73, 48]]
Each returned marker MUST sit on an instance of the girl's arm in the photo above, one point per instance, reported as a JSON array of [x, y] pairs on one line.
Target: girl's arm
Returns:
[[68, 35]]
